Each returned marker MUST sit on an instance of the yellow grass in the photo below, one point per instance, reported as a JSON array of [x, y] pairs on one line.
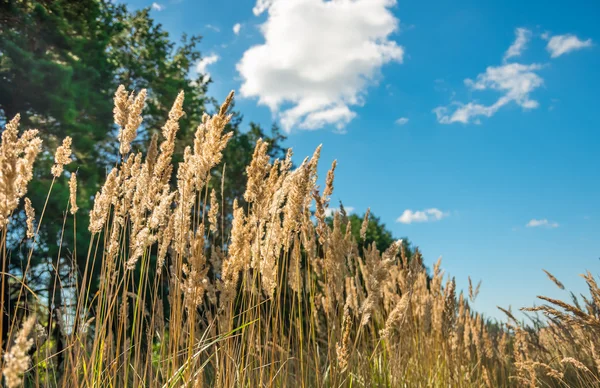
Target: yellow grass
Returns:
[[284, 298]]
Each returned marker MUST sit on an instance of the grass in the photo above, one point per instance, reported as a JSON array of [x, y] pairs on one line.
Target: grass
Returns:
[[283, 298]]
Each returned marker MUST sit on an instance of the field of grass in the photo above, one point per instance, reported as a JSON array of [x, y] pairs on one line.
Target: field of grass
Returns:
[[285, 297]]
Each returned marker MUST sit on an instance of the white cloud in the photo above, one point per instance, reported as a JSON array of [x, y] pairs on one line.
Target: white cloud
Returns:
[[202, 65], [515, 80], [236, 28], [542, 223], [402, 121], [318, 58], [427, 215], [158, 7], [261, 6], [330, 211], [214, 28], [520, 43], [562, 44]]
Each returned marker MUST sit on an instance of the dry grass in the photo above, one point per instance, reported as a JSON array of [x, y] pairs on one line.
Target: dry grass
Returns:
[[285, 299]]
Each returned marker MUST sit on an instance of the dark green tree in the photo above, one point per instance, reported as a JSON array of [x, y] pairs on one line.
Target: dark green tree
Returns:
[[146, 57], [376, 231], [60, 63], [55, 72]]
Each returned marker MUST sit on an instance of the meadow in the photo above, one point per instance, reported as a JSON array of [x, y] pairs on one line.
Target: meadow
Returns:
[[286, 296]]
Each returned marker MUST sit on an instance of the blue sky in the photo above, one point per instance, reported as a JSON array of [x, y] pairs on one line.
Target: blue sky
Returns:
[[471, 127]]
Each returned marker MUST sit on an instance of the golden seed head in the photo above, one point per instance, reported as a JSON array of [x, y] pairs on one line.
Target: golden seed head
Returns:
[[73, 193], [365, 224], [30, 213], [62, 157], [17, 359]]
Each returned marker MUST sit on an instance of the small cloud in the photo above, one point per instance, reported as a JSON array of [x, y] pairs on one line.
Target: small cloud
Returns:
[[214, 28], [236, 28], [523, 36], [202, 65], [541, 223], [427, 215], [563, 44], [330, 211], [158, 7], [261, 6], [402, 121]]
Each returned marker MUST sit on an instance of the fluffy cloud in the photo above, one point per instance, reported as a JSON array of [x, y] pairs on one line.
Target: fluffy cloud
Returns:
[[318, 58], [427, 215], [236, 28], [562, 44], [542, 223], [158, 7], [520, 43], [202, 65], [402, 121], [514, 80]]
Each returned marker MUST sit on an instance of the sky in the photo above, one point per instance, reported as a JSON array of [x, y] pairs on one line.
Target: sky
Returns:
[[470, 127]]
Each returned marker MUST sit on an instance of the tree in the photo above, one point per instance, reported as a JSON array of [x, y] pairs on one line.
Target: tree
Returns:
[[60, 64], [54, 71], [145, 57], [376, 231], [378, 234]]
